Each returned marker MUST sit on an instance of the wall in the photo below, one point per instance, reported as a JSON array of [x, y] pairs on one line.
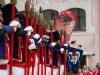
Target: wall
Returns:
[[87, 41], [2, 2]]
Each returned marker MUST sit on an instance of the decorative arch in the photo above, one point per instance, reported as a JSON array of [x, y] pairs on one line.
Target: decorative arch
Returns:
[[80, 18], [50, 10]]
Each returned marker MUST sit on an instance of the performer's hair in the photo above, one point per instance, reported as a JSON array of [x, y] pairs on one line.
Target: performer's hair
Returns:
[[7, 13]]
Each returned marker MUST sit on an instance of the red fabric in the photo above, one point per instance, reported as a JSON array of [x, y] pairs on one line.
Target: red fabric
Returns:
[[6, 50], [80, 74], [34, 57], [3, 67], [86, 72], [18, 64], [98, 72], [19, 53], [94, 72], [12, 27], [20, 43], [43, 52]]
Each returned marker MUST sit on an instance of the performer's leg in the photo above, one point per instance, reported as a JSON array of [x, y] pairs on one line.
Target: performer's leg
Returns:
[[17, 68], [35, 69], [30, 71], [61, 69], [48, 71], [17, 71], [55, 71], [3, 72]]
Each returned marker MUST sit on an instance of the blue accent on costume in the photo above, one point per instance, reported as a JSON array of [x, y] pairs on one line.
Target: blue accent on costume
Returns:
[[36, 40], [6, 29]]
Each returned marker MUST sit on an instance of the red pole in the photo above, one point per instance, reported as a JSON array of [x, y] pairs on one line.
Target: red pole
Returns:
[[42, 64], [27, 9], [39, 52], [44, 54], [33, 56], [33, 53], [65, 54], [29, 53], [11, 41], [51, 53], [59, 56], [26, 45]]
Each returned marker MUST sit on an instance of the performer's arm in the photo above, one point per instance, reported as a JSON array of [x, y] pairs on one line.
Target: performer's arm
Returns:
[[7, 29], [58, 51]]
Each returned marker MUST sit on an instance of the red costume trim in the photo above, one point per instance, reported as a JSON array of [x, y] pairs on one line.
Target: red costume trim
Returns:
[[6, 50], [18, 64], [3, 67]]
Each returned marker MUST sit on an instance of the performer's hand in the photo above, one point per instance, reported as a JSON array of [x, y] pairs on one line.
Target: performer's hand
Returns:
[[28, 29], [36, 36], [32, 46], [53, 44], [66, 45], [62, 50], [45, 36], [14, 25]]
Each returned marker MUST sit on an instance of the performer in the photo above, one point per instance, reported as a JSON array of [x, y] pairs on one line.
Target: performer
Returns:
[[85, 70], [4, 42], [98, 69], [36, 41], [91, 72], [18, 64], [56, 50], [80, 72]]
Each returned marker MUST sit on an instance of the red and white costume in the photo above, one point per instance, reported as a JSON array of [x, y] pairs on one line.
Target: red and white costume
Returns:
[[80, 74]]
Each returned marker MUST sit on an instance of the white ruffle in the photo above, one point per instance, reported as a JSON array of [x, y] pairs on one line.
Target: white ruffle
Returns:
[[32, 46], [29, 28], [14, 23], [36, 36]]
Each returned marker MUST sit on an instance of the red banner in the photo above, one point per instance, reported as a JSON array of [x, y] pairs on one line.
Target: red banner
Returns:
[[66, 20]]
